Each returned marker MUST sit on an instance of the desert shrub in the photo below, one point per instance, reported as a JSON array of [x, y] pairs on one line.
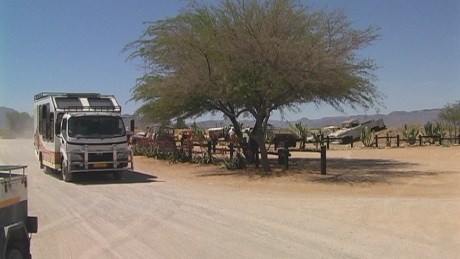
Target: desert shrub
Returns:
[[203, 158], [237, 162], [179, 156]]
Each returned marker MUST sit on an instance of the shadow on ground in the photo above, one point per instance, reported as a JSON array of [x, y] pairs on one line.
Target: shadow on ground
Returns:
[[108, 178], [338, 170]]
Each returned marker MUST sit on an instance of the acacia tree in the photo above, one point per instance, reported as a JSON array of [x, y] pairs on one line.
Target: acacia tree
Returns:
[[252, 57], [451, 115]]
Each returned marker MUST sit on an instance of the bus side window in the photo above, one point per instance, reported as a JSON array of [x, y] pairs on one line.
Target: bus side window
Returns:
[[51, 126]]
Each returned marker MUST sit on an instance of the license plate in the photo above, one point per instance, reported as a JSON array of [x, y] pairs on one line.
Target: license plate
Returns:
[[100, 165]]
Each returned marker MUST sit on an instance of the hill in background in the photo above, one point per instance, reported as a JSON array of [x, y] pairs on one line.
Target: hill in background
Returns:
[[395, 119], [3, 119], [22, 124]]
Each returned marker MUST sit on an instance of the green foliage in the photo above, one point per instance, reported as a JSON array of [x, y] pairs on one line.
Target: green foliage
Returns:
[[302, 132], [203, 158], [450, 115], [388, 140], [434, 130], [180, 124], [318, 138], [206, 59], [367, 136], [236, 163], [410, 134]]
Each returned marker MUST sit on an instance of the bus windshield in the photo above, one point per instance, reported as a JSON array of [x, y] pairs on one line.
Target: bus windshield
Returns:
[[96, 127]]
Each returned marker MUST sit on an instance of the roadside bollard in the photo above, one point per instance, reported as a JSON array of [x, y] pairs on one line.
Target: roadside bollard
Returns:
[[323, 160]]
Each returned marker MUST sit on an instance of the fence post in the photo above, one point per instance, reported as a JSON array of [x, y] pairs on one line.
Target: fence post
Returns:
[[257, 157], [323, 160], [376, 141], [231, 150], [420, 140], [286, 158], [397, 140], [440, 140], [209, 148], [327, 142]]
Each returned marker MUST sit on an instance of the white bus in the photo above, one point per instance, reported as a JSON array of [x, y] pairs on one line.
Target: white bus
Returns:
[[80, 132]]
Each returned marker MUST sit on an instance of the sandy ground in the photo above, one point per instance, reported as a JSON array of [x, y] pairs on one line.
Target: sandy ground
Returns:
[[412, 171], [401, 193], [372, 203]]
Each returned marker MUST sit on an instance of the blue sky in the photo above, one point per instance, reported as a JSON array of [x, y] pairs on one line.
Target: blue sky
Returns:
[[76, 46]]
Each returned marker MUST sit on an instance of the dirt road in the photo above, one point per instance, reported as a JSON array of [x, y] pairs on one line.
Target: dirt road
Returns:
[[395, 203]]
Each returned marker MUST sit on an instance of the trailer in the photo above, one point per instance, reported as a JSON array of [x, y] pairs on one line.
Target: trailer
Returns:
[[80, 133], [15, 223]]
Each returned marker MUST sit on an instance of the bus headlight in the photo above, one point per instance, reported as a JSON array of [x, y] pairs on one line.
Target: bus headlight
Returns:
[[76, 157], [122, 155]]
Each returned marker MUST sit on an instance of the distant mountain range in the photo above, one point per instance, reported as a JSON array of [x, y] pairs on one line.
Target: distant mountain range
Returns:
[[393, 120], [3, 118]]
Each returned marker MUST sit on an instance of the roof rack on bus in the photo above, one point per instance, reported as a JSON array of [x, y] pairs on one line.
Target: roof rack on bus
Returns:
[[46, 94], [92, 108]]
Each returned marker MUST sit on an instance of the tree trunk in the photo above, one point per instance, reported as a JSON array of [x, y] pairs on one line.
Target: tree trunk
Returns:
[[264, 156], [259, 131]]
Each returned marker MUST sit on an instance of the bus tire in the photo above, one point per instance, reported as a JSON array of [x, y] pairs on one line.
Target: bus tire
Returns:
[[40, 158], [14, 253], [66, 175]]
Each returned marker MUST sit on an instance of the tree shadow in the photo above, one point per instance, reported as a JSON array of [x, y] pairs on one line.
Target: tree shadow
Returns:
[[338, 170], [351, 170]]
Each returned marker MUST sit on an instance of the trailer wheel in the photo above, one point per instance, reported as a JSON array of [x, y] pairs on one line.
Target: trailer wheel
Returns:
[[66, 175], [14, 253]]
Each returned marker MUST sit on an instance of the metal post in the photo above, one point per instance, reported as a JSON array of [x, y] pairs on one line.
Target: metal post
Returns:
[[420, 140], [397, 140], [327, 142], [323, 160]]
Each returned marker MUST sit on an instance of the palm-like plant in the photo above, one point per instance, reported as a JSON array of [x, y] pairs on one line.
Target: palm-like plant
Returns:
[[302, 132], [410, 134]]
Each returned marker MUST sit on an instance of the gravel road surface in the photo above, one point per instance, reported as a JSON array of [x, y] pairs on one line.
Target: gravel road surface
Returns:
[[177, 211]]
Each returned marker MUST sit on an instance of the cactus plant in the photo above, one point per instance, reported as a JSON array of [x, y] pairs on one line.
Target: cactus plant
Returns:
[[302, 132], [410, 134], [388, 141], [366, 136]]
